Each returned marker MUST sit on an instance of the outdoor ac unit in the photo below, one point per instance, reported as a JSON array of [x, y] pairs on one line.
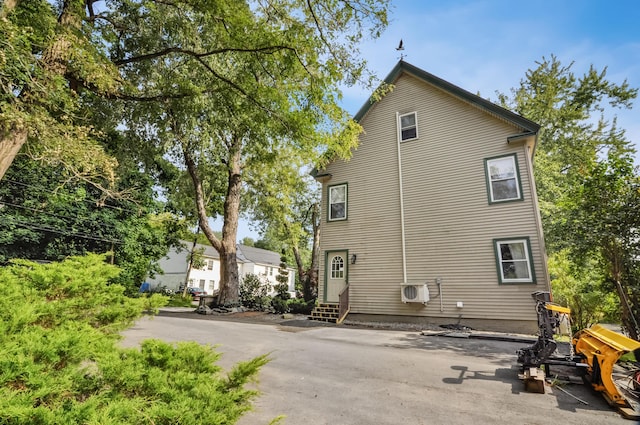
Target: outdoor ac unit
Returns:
[[414, 293]]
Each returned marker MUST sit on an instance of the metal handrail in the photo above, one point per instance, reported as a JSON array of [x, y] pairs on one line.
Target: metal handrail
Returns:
[[344, 307]]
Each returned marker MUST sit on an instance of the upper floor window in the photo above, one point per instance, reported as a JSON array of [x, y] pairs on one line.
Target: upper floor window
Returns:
[[503, 179], [209, 264], [513, 258], [337, 202], [408, 126]]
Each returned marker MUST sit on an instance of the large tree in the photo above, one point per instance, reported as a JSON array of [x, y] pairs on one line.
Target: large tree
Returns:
[[577, 118], [584, 174], [47, 54], [602, 217], [46, 217], [294, 221], [223, 83], [243, 95]]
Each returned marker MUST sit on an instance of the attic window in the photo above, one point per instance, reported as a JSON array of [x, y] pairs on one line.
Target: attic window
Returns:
[[408, 126]]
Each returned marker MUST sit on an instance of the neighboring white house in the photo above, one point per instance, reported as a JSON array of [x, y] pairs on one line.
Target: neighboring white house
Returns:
[[175, 265]]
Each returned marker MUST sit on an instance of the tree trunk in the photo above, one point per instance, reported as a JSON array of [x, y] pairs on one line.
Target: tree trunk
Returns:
[[613, 253], [628, 319], [309, 277], [10, 145], [229, 279], [7, 8], [315, 252]]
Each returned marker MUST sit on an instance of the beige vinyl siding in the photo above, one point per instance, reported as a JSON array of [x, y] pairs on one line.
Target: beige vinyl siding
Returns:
[[449, 223]]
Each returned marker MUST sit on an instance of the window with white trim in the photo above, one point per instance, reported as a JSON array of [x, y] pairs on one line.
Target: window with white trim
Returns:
[[337, 202], [337, 267], [408, 126], [513, 257], [503, 179]]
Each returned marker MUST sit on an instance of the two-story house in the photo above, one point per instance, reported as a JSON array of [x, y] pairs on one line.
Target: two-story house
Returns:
[[435, 217], [175, 266]]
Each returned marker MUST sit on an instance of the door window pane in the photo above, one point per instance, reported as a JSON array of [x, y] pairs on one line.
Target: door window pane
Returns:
[[337, 267]]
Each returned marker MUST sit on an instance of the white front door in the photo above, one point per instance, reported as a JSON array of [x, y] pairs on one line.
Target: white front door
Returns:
[[336, 272]]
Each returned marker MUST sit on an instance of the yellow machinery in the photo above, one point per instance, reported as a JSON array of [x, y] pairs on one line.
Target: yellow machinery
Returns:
[[595, 352], [601, 348]]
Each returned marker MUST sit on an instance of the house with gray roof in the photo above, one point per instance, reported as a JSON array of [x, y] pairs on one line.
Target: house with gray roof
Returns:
[[175, 266]]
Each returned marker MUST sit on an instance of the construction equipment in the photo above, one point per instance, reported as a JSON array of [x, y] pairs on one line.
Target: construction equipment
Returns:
[[594, 353]]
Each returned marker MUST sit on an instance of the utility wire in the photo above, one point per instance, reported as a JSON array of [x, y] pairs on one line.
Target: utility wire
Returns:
[[90, 201], [62, 232], [9, 204]]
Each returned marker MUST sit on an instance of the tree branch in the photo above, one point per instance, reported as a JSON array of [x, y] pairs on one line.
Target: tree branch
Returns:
[[169, 50]]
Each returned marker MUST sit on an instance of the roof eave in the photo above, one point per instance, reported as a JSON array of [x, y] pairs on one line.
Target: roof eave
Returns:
[[490, 107]]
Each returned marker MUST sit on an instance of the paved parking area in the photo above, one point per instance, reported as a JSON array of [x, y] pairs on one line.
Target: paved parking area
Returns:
[[340, 375]]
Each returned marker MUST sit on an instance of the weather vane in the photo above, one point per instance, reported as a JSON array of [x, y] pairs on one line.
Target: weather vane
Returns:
[[400, 48]]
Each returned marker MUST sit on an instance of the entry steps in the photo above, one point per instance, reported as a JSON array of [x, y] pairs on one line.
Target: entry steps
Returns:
[[326, 312]]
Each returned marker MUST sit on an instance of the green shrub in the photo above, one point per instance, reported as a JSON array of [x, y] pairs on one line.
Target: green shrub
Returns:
[[300, 306], [177, 300], [60, 362], [279, 305], [253, 293]]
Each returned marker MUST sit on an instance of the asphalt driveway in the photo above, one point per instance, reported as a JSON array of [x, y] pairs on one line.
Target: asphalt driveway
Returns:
[[343, 375]]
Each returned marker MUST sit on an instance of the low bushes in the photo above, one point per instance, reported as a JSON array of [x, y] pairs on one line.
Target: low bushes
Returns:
[[254, 296], [60, 362]]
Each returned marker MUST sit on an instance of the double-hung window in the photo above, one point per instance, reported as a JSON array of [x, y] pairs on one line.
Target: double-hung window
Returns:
[[503, 179], [408, 126], [337, 199], [513, 257]]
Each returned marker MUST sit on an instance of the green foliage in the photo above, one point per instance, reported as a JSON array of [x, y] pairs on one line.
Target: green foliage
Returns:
[[580, 288], [300, 306], [60, 362], [279, 305], [45, 217], [602, 218], [177, 300], [280, 300], [42, 64], [586, 184], [254, 292]]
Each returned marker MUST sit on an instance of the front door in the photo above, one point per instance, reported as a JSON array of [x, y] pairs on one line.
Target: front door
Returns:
[[336, 272]]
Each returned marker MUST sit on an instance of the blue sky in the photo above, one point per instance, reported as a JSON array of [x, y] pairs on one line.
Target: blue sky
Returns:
[[486, 46]]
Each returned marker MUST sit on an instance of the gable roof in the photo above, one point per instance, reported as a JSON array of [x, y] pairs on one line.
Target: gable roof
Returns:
[[255, 255], [460, 93], [244, 254]]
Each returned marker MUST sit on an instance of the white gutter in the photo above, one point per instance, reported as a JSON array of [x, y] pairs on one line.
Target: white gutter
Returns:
[[536, 214], [404, 254]]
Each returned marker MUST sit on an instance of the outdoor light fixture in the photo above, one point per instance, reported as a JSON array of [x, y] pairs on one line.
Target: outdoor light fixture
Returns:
[[354, 257]]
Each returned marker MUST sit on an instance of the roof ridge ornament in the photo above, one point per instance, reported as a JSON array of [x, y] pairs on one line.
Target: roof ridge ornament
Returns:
[[400, 48]]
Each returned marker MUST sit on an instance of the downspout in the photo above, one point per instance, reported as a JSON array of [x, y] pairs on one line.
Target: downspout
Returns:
[[534, 196], [404, 254]]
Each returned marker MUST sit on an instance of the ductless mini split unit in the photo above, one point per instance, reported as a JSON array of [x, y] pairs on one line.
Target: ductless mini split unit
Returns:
[[414, 293]]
